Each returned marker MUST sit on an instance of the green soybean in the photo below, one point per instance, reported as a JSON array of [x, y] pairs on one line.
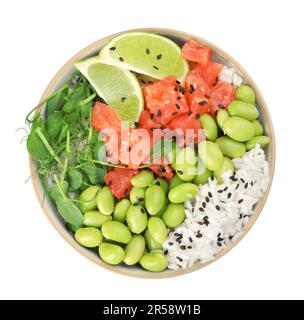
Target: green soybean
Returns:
[[202, 173], [263, 141], [105, 201], [244, 110], [95, 219], [221, 117], [174, 215], [231, 148], [120, 211], [258, 128], [239, 129], [157, 229], [155, 199], [185, 166], [143, 179], [111, 253], [88, 199], [163, 209], [226, 166], [134, 250], [210, 126], [137, 195], [137, 218], [154, 262], [210, 154], [88, 237], [151, 243], [183, 192], [116, 231], [162, 183], [175, 182], [246, 94]]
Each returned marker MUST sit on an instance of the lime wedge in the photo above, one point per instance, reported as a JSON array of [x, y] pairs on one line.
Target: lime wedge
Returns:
[[146, 53], [117, 87]]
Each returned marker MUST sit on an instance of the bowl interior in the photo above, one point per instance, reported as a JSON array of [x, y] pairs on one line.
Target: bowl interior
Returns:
[[49, 208]]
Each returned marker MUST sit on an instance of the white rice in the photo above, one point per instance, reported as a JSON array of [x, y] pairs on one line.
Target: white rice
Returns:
[[219, 212], [231, 76]]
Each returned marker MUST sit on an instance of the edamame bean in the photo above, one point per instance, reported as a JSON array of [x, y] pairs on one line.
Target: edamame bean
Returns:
[[155, 199], [239, 129], [154, 261], [221, 117], [174, 215], [157, 230], [226, 166], [175, 182], [244, 110], [231, 148], [137, 195], [163, 209], [162, 183], [95, 219], [151, 243], [209, 124], [246, 94], [143, 179], [111, 253], [183, 192], [210, 154], [202, 173], [263, 141], [88, 198], [116, 231], [185, 165], [88, 237], [105, 201], [120, 211], [134, 250], [137, 218], [258, 128]]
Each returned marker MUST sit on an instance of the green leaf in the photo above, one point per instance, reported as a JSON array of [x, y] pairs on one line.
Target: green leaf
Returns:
[[34, 144], [54, 124], [72, 121], [69, 212], [161, 148], [95, 174], [56, 103], [85, 110], [75, 179], [54, 191], [74, 99]]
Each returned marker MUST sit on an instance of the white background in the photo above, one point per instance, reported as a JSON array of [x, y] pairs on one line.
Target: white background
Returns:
[[38, 37]]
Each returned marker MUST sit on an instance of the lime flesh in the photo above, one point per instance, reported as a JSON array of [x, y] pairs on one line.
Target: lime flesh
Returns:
[[146, 53], [118, 87]]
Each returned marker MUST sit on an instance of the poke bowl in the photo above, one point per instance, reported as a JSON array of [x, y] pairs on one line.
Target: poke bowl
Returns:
[[159, 203]]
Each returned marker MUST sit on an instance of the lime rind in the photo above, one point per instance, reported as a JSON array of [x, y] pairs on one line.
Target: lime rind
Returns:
[[116, 86], [139, 52]]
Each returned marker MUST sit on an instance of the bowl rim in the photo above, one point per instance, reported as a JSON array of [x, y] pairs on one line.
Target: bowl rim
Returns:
[[136, 272]]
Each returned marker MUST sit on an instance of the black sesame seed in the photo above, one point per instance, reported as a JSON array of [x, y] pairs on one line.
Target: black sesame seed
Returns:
[[189, 247], [142, 210], [170, 243], [230, 238], [176, 88], [219, 244], [220, 239], [157, 183], [197, 116], [246, 185], [199, 235], [192, 89], [177, 234], [204, 204], [209, 194], [226, 188], [136, 204], [190, 239], [162, 127], [143, 81], [221, 106], [252, 183], [178, 97], [207, 96], [223, 201], [182, 90], [206, 218], [180, 172], [215, 113], [177, 106], [207, 223], [147, 51], [218, 208], [174, 113], [240, 201], [201, 209], [123, 99], [183, 247], [242, 180], [159, 113], [121, 59], [152, 116], [207, 199], [159, 57], [241, 216], [129, 148], [229, 195], [200, 223], [189, 113], [141, 199], [237, 186], [113, 48], [156, 68], [166, 251], [136, 124], [179, 259], [202, 103], [220, 191]]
